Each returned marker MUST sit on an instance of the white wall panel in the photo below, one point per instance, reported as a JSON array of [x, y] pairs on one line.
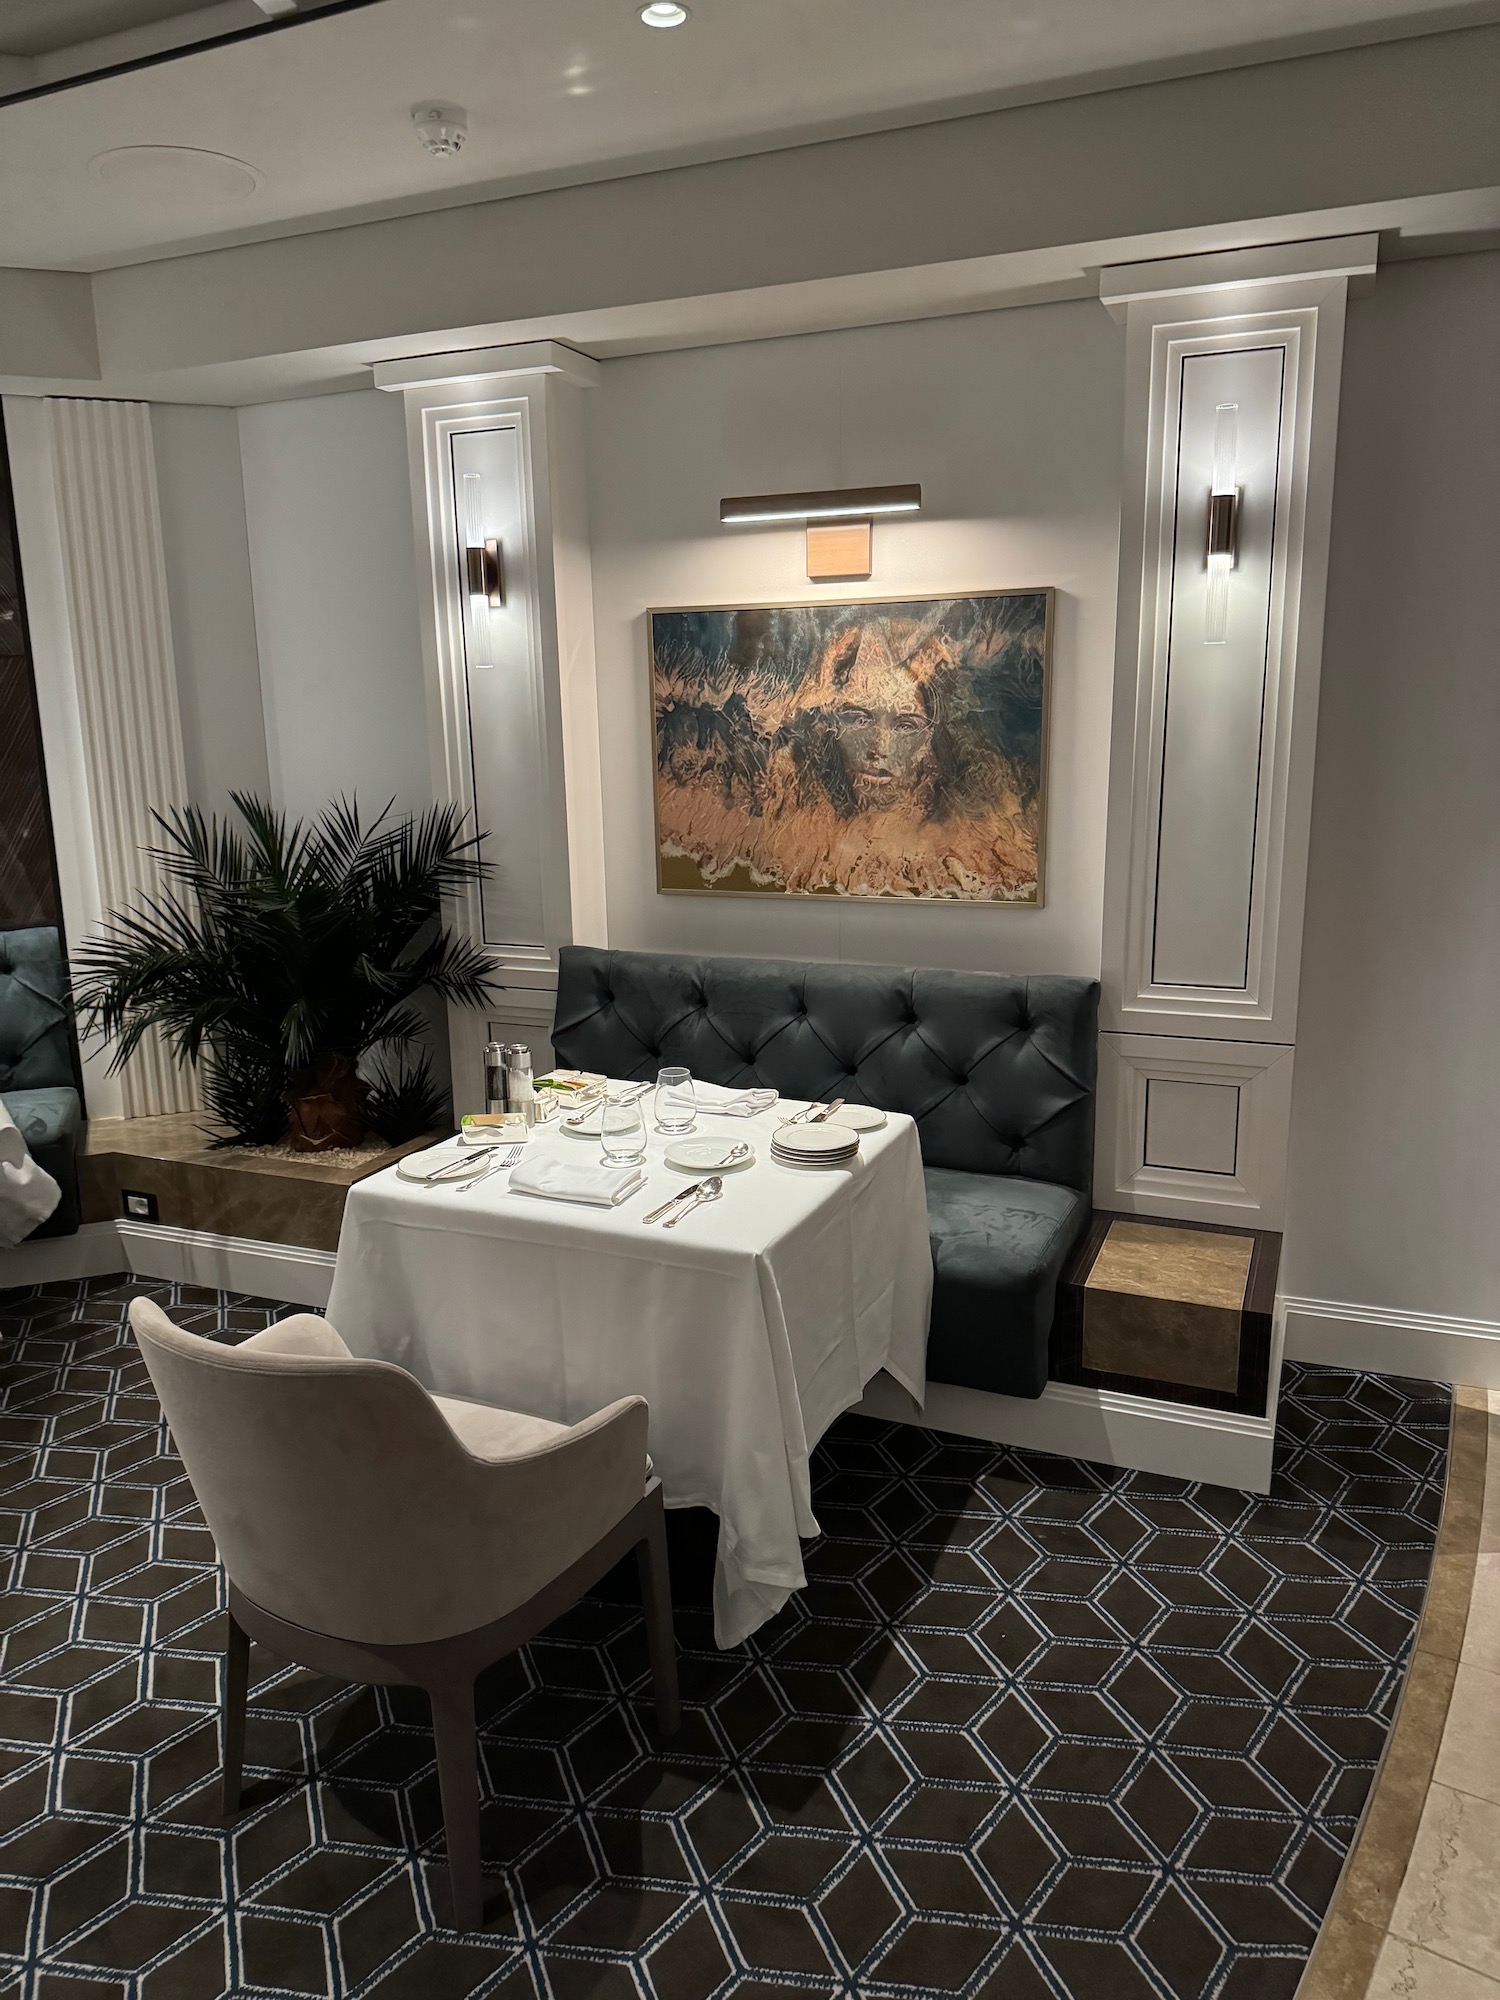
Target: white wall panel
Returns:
[[1232, 375], [1213, 696]]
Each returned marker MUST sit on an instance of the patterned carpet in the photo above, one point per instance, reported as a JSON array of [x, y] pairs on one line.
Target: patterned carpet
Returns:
[[1036, 1728]]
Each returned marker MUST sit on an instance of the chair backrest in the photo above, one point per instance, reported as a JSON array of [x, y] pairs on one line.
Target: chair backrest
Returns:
[[341, 1501], [997, 1070], [35, 1048]]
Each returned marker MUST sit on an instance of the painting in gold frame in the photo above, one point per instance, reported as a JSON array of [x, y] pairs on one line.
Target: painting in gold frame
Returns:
[[893, 749]]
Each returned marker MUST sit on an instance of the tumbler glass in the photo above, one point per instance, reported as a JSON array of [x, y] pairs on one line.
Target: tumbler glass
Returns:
[[676, 1106], [622, 1131]]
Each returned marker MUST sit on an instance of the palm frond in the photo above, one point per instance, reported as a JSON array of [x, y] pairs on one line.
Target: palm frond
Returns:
[[278, 947]]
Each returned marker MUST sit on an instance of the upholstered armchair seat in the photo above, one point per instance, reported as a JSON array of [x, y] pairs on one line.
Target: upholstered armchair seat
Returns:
[[372, 1530]]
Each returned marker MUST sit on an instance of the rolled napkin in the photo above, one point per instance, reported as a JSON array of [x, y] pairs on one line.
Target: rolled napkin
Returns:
[[731, 1103], [574, 1180], [28, 1193]]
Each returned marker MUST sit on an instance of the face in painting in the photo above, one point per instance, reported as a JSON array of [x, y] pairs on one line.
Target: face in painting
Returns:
[[881, 749]]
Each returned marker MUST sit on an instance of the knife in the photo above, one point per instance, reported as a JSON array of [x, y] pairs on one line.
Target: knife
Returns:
[[826, 1111], [657, 1213]]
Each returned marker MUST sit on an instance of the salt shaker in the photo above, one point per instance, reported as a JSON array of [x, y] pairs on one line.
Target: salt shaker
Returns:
[[520, 1092]]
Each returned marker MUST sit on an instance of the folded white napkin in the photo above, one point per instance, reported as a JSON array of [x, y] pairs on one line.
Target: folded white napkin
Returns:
[[730, 1103], [28, 1193], [575, 1180]]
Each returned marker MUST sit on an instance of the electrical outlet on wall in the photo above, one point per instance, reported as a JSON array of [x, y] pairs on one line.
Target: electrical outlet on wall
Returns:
[[138, 1207]]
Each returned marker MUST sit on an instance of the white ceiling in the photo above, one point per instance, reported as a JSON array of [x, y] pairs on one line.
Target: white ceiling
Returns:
[[565, 90]]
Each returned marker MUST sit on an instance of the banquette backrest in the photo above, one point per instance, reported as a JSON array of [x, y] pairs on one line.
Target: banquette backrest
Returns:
[[35, 1050], [997, 1070]]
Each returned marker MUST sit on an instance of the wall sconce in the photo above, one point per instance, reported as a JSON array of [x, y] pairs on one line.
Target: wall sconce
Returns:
[[1221, 549], [1223, 530], [484, 573], [485, 576], [839, 523]]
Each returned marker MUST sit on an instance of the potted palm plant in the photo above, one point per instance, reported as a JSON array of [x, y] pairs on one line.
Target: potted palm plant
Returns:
[[286, 961]]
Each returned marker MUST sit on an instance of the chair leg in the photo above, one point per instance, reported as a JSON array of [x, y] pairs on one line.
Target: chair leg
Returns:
[[458, 1775], [656, 1601], [236, 1692]]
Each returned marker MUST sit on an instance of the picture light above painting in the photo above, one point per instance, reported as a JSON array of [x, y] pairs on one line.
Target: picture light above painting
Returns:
[[889, 749]]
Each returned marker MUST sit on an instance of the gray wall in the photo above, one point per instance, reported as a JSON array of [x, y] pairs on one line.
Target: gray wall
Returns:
[[213, 611], [328, 507], [1013, 424], [1395, 1168]]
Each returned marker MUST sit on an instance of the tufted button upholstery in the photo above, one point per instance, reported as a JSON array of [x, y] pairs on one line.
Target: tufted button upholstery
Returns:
[[36, 1062], [997, 1072]]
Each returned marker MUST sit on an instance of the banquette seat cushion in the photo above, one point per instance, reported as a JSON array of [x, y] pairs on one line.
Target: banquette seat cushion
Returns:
[[36, 1063], [997, 1071]]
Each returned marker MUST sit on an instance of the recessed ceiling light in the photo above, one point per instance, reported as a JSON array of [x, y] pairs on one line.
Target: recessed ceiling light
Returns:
[[664, 14], [175, 173]]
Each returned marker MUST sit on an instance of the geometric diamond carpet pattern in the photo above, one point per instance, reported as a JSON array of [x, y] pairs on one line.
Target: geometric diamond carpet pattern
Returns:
[[1035, 1728]]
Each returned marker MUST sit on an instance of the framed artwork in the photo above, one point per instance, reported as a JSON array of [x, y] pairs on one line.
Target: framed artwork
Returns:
[[894, 749]]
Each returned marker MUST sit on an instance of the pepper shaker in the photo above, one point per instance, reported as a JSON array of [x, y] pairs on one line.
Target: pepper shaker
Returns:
[[494, 1078]]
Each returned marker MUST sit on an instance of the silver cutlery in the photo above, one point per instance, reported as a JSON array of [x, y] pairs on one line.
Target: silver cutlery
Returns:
[[682, 1194], [708, 1190], [468, 1162], [735, 1153], [505, 1156], [630, 1096], [814, 1114]]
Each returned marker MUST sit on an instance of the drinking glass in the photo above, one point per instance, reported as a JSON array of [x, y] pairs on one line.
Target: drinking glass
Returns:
[[622, 1130], [676, 1106]]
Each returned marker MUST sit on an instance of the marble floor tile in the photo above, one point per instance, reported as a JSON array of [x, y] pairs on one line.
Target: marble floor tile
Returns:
[[1448, 1901], [1406, 1972], [1481, 1647], [1469, 1757]]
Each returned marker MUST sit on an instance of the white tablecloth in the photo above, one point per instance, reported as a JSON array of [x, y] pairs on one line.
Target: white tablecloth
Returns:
[[748, 1328]]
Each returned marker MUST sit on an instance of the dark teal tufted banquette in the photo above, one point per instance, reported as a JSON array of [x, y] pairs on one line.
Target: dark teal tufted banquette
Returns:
[[998, 1072], [37, 1082]]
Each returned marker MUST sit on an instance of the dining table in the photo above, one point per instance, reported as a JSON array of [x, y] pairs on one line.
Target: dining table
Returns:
[[749, 1326]]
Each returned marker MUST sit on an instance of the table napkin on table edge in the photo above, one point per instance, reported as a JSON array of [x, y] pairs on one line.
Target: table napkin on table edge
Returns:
[[724, 1101], [551, 1179]]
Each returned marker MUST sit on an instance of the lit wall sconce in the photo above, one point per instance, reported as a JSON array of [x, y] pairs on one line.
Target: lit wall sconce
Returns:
[[485, 576], [1221, 549], [1223, 529], [839, 523]]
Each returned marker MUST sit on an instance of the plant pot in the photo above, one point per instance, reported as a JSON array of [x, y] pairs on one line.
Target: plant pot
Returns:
[[325, 1107]]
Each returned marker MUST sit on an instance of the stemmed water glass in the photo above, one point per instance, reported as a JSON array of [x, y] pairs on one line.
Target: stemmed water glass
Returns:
[[676, 1104]]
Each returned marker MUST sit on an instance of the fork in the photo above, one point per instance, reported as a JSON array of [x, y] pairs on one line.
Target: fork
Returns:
[[505, 1156]]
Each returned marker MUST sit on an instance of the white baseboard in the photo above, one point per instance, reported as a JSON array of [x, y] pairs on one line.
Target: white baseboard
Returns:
[[1175, 1439], [91, 1252], [1392, 1341], [282, 1271]]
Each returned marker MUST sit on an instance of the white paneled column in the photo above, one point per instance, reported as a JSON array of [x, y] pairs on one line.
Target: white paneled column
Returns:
[[499, 497], [1232, 390], [91, 546]]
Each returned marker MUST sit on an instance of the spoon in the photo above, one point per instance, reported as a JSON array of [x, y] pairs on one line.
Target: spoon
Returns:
[[711, 1189]]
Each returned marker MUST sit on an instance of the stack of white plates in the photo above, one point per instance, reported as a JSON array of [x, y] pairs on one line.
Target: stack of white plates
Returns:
[[822, 1145]]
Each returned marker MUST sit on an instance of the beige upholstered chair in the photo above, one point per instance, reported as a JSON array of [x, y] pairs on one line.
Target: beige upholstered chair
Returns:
[[379, 1533]]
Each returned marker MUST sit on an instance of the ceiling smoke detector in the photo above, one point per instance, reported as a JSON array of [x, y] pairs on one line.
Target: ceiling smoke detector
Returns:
[[442, 128]]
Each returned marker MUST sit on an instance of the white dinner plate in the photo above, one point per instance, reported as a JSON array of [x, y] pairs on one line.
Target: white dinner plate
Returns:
[[708, 1156], [857, 1117], [823, 1141]]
